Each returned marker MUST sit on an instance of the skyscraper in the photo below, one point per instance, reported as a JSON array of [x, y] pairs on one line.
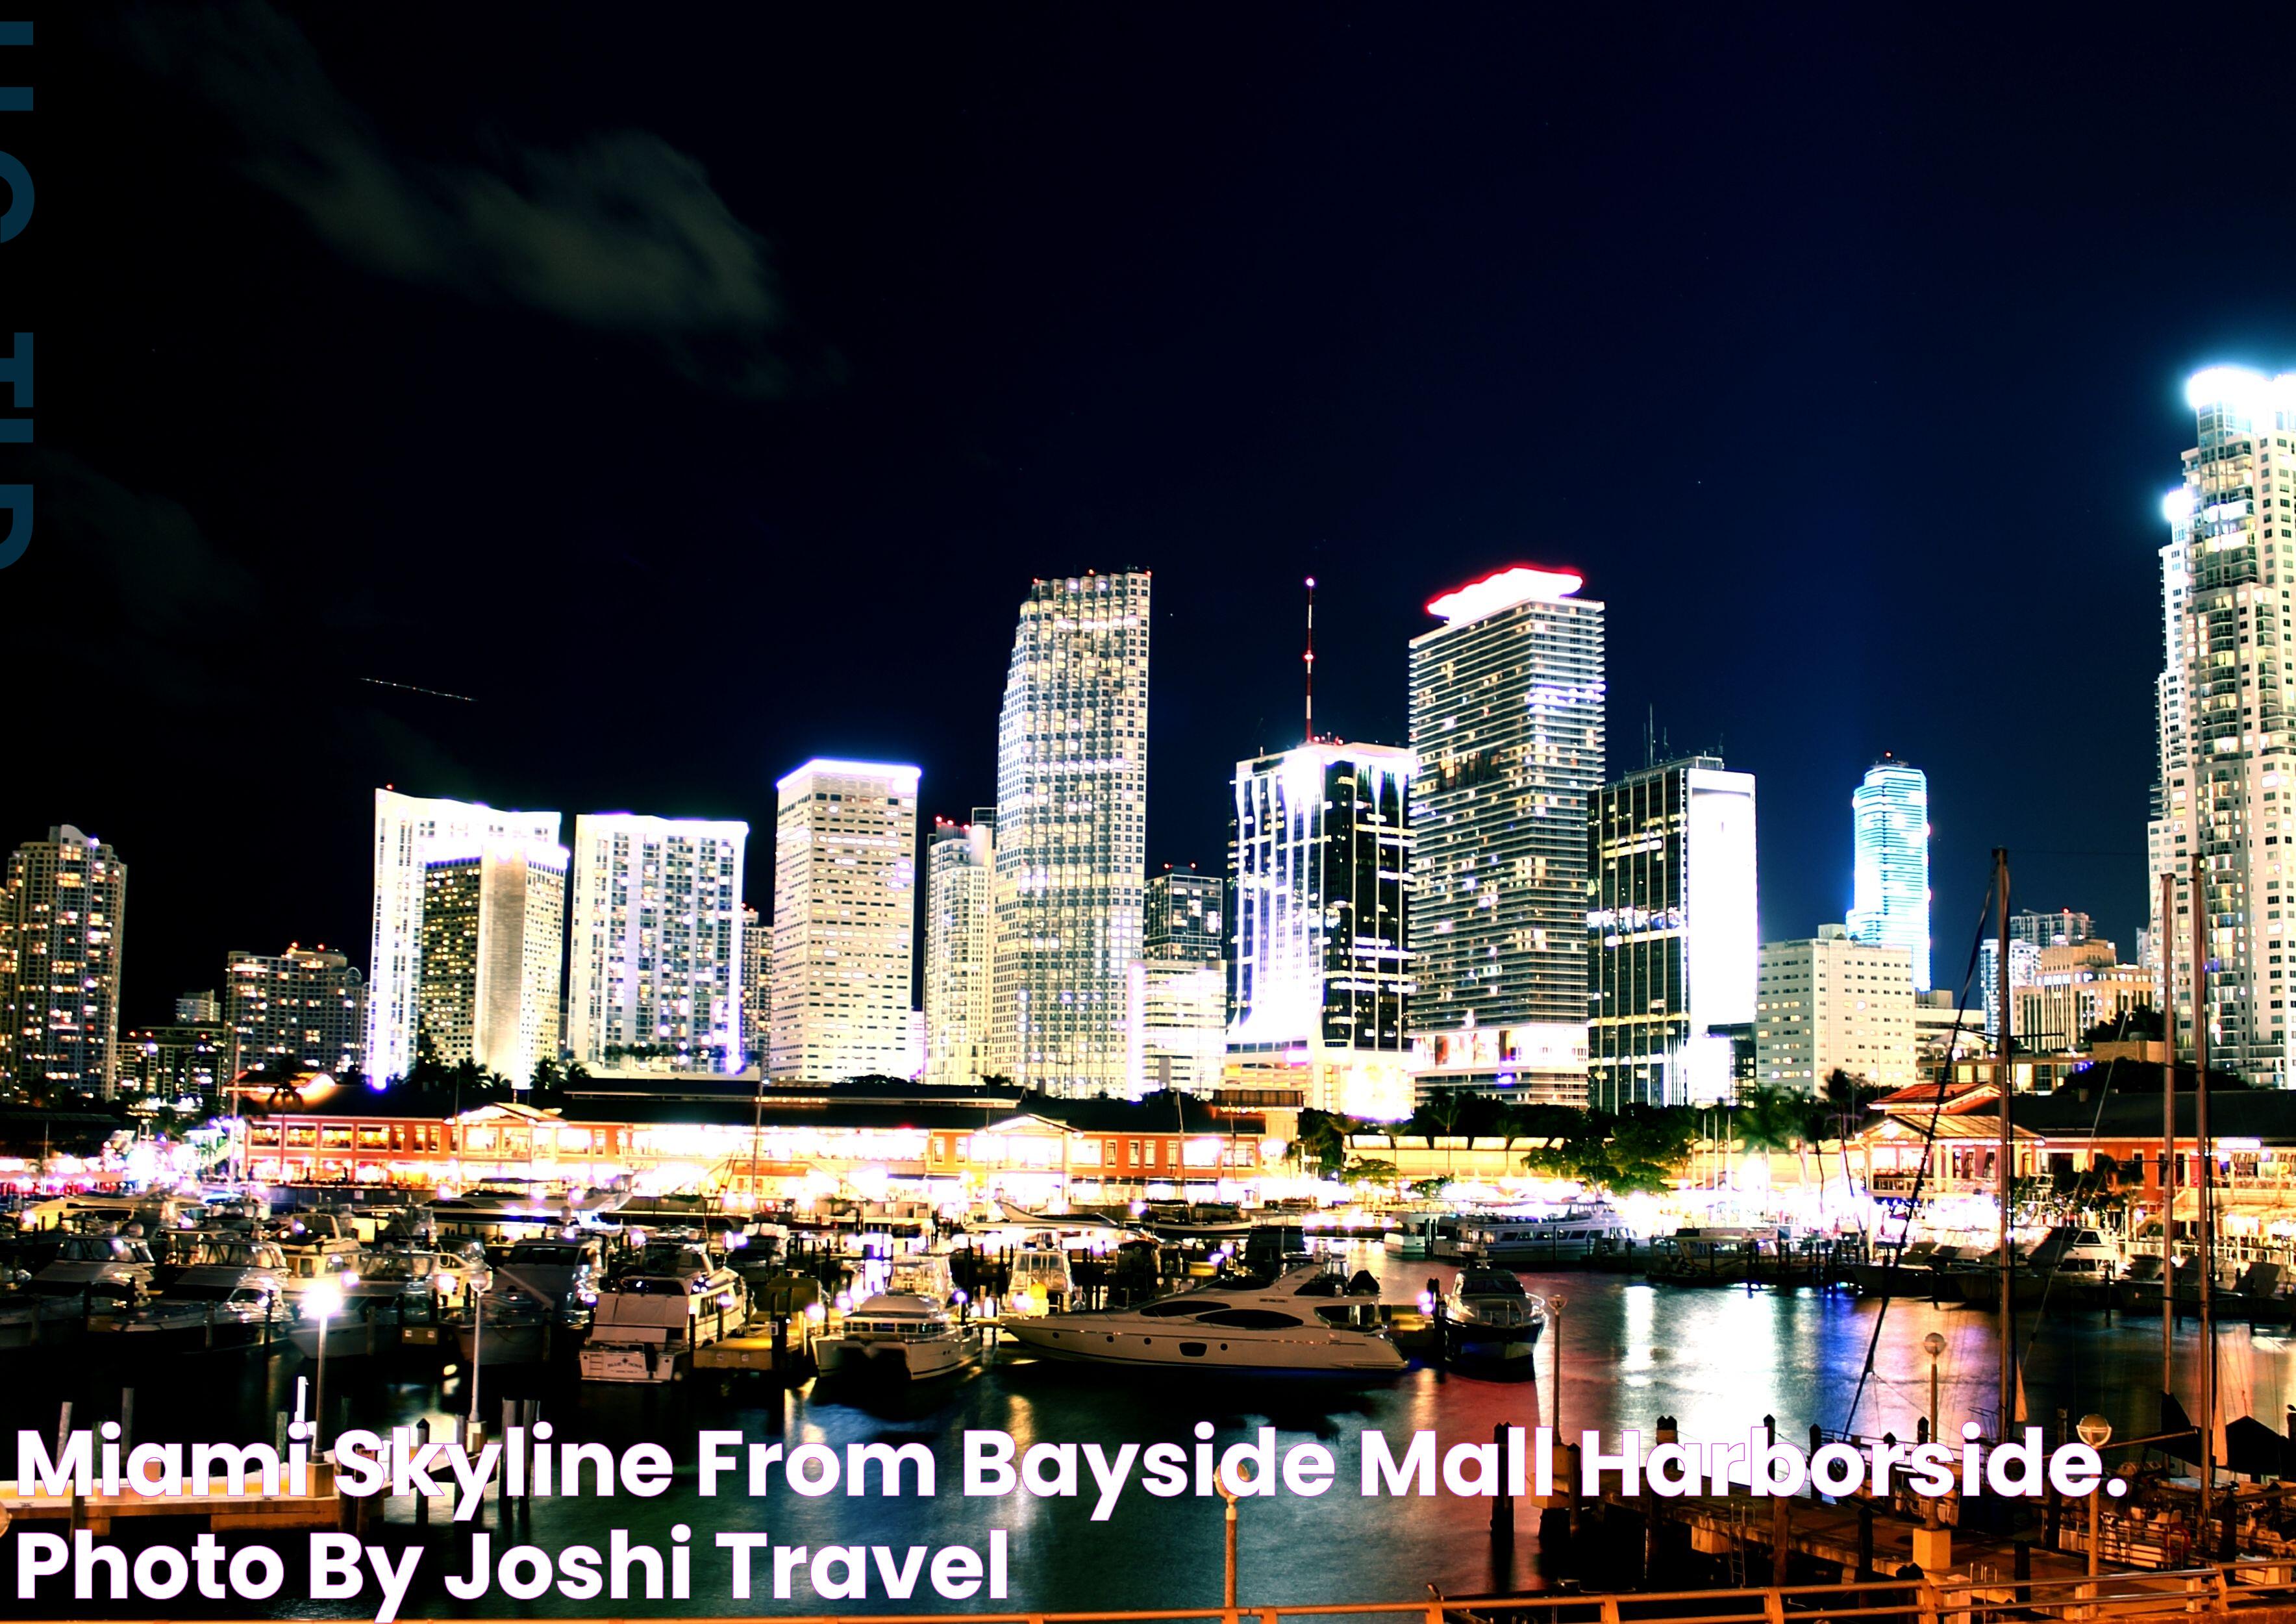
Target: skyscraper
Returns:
[[2226, 694], [1672, 932], [1833, 1005], [1507, 724], [407, 831], [61, 917], [494, 931], [960, 935], [654, 972], [1889, 878], [2062, 929], [845, 897], [1184, 918], [1072, 833], [756, 988], [301, 1010], [1320, 974]]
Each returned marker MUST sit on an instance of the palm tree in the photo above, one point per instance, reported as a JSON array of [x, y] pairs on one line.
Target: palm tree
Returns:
[[1771, 1119]]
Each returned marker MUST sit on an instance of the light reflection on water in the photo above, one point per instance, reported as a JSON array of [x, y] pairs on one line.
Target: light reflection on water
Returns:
[[1717, 1359]]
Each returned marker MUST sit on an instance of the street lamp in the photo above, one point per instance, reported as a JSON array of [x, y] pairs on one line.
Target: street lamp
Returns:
[[2095, 1431], [326, 1300], [1933, 1345], [1232, 1481]]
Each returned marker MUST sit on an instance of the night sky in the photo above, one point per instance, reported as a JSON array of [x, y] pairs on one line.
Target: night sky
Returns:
[[699, 391]]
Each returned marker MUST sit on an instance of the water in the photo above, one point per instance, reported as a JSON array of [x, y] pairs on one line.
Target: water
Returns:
[[1717, 1359]]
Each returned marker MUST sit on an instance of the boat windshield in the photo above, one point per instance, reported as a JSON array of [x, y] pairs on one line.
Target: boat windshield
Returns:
[[1490, 1283]]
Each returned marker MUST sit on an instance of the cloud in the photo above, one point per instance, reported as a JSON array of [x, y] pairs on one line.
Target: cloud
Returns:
[[621, 233]]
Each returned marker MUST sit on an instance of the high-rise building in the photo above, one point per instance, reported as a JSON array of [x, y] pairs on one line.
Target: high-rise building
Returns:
[[2074, 989], [1890, 876], [1072, 833], [1507, 724], [61, 921], [654, 973], [960, 937], [303, 1010], [756, 988], [2024, 971], [2062, 929], [408, 831], [1672, 933], [190, 1059], [2225, 695], [845, 899], [1319, 976], [1177, 1013], [202, 1008], [1183, 917], [494, 933], [1833, 1005]]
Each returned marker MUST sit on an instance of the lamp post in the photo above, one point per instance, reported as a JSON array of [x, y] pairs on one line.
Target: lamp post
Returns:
[[324, 1299], [1934, 1346], [2095, 1431], [1555, 1360], [1232, 1480]]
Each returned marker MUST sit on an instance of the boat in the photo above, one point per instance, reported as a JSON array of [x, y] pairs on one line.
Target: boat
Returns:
[[1299, 1323], [1901, 1269], [230, 1296], [540, 1298], [1570, 1236], [1040, 1281], [2069, 1258], [1420, 1234], [1721, 1255], [657, 1313], [90, 1273], [393, 1297], [1488, 1315], [898, 1335]]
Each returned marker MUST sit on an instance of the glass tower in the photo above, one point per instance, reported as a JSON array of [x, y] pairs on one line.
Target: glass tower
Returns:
[[845, 899], [1507, 724], [1185, 910], [1889, 878], [2225, 693], [1072, 833]]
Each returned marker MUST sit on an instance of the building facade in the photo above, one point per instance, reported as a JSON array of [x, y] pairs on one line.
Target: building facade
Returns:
[[960, 937], [494, 933], [845, 895], [1072, 833], [2224, 699], [756, 988], [1829, 1004], [409, 830], [654, 970], [1672, 933], [62, 918], [1889, 872], [1177, 1012], [304, 1009], [2073, 990], [1185, 921], [1507, 724], [2062, 929], [2024, 969], [1319, 966], [189, 1060]]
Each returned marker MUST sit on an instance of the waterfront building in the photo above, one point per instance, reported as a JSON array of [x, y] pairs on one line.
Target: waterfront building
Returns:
[[1832, 1004], [303, 1010], [1507, 724], [654, 972], [1185, 917], [1671, 933], [1319, 972], [1177, 1012], [61, 917], [845, 878], [2064, 928], [494, 933], [756, 988], [409, 830], [2227, 751], [960, 938], [1072, 833], [1890, 821], [198, 1008]]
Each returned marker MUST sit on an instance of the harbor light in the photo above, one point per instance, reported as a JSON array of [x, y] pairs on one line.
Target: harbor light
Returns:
[[2095, 1431]]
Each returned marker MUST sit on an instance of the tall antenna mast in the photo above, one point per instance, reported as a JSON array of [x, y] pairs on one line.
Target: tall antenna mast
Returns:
[[1311, 660]]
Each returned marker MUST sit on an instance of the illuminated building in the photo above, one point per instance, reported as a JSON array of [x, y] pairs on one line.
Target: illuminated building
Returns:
[[301, 1010], [2024, 969], [2227, 754], [1889, 875], [1177, 1014], [1833, 1005], [61, 922], [198, 1008], [1507, 724], [1072, 833], [1672, 933], [494, 931], [1184, 918], [960, 937], [756, 988], [2062, 929], [2073, 990], [845, 898], [1319, 972], [655, 974], [190, 1059], [408, 831]]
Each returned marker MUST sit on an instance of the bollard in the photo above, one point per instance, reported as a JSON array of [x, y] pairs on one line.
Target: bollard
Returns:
[[1780, 1543], [422, 1500], [1503, 1502]]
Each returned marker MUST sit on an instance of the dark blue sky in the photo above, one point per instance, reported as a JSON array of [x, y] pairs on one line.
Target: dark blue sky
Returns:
[[700, 395]]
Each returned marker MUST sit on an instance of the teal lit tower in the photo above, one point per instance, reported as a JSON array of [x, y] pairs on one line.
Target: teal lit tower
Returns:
[[1889, 888]]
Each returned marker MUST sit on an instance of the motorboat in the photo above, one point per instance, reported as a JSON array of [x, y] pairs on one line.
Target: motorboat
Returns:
[[656, 1314], [392, 1297], [1040, 1281], [899, 1336], [1570, 1236], [90, 1273], [1299, 1323], [1422, 1234], [1488, 1314], [540, 1297], [2066, 1261], [231, 1296]]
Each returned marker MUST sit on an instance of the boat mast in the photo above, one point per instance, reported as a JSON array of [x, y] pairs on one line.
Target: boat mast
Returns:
[[2205, 1154], [2004, 1180], [2168, 1140]]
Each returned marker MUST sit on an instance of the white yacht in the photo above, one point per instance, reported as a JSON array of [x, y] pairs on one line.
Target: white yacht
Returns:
[[229, 1296], [1299, 1323], [91, 1274], [1570, 1236], [1488, 1315], [674, 1302], [900, 1335]]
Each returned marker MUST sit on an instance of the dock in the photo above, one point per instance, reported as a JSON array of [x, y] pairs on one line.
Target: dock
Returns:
[[216, 1509]]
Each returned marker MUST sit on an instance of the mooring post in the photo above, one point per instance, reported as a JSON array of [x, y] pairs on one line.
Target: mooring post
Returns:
[[422, 1500]]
